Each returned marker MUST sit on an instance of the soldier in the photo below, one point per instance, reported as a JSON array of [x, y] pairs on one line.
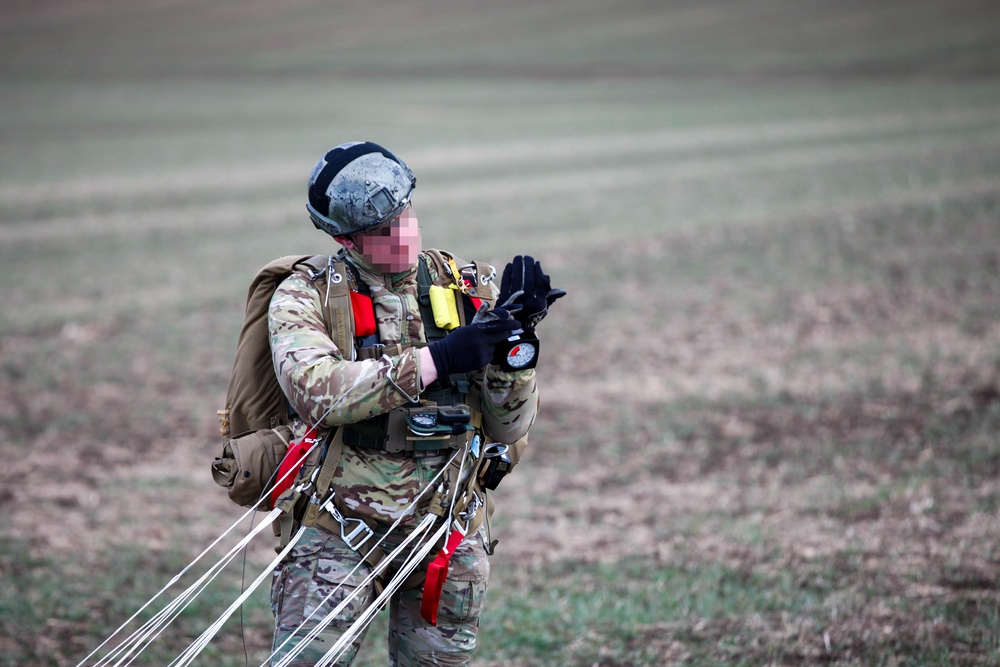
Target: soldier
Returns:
[[359, 193]]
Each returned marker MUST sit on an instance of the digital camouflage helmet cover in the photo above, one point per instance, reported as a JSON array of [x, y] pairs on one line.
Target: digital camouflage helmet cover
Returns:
[[357, 187]]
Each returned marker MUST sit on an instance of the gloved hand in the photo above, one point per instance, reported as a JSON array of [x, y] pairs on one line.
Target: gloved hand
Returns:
[[469, 348], [525, 283]]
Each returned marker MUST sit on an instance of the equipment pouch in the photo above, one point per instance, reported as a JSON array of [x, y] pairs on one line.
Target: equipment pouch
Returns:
[[495, 466], [364, 315], [428, 429], [444, 306], [248, 463]]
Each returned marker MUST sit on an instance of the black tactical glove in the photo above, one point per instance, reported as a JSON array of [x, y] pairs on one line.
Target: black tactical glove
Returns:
[[469, 348], [525, 283]]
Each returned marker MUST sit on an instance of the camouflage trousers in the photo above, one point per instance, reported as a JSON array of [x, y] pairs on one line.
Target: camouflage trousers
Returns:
[[320, 563]]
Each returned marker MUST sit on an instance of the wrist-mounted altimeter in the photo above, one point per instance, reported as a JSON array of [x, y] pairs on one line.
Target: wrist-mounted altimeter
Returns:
[[518, 352]]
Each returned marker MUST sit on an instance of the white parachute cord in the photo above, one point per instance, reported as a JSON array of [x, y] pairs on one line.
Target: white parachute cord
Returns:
[[412, 561], [315, 427], [196, 647], [458, 483], [173, 581], [210, 633], [190, 565], [331, 617], [179, 605], [243, 543], [234, 552], [150, 630], [326, 621], [415, 558], [138, 635]]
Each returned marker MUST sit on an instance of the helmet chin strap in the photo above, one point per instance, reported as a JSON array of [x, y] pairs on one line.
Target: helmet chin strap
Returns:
[[346, 241]]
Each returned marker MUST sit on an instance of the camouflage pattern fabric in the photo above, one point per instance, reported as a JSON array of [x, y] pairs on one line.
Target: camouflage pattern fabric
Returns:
[[397, 312], [320, 566], [320, 563], [412, 641], [315, 375]]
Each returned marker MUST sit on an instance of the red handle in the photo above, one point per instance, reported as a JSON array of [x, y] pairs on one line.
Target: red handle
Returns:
[[288, 470], [437, 573]]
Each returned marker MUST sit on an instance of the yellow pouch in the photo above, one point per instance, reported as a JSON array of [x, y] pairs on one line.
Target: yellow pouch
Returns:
[[444, 306]]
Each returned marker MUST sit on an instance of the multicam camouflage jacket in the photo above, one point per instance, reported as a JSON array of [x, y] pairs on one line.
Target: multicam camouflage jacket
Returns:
[[325, 387]]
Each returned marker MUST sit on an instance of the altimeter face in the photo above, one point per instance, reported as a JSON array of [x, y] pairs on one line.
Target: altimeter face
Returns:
[[521, 355]]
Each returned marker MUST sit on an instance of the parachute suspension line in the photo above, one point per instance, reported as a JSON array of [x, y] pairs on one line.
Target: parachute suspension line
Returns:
[[371, 577], [144, 635], [148, 632], [152, 628], [199, 587], [143, 632], [196, 647], [413, 560], [173, 581], [332, 615]]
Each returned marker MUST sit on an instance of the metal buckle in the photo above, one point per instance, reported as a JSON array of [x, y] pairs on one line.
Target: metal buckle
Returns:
[[468, 514], [356, 538], [361, 530]]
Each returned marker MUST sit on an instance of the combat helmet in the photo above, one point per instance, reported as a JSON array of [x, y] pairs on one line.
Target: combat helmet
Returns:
[[356, 187]]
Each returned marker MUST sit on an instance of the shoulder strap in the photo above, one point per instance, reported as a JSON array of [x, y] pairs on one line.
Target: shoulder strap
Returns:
[[432, 331], [329, 275], [474, 278]]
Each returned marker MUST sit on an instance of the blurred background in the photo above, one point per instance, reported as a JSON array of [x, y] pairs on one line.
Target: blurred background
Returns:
[[770, 402]]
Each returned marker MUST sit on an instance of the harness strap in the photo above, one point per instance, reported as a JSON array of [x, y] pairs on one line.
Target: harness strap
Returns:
[[329, 274], [376, 351], [338, 304], [432, 331], [330, 462], [325, 519]]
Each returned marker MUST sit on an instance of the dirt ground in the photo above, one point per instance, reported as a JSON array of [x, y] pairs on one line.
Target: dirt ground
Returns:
[[846, 492]]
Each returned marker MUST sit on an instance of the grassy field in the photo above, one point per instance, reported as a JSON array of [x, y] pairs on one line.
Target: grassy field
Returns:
[[770, 403]]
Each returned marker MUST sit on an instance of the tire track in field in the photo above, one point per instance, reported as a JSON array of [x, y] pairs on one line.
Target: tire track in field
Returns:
[[233, 214], [276, 214], [482, 158]]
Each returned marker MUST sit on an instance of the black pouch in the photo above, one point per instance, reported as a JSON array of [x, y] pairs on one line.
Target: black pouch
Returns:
[[495, 466], [427, 429]]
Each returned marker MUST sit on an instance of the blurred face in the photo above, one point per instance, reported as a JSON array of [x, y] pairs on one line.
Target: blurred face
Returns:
[[394, 247]]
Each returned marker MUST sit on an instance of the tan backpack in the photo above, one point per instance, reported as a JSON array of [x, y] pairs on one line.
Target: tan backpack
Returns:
[[254, 423]]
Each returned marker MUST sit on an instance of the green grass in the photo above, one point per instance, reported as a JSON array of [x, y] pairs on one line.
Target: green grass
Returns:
[[637, 612], [50, 611], [620, 605]]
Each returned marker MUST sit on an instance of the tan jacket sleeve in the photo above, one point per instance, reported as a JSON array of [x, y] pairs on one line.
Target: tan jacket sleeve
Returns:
[[509, 404]]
